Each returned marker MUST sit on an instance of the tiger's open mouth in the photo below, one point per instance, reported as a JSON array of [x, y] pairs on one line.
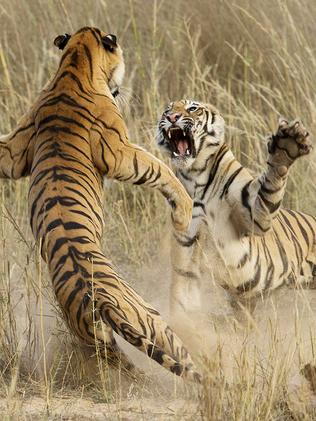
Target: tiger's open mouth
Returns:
[[180, 142]]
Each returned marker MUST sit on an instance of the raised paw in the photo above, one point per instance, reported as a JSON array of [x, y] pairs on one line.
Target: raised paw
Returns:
[[290, 141]]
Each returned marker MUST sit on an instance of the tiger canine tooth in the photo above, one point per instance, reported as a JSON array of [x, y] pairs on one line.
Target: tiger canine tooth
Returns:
[[175, 154], [169, 134], [187, 152]]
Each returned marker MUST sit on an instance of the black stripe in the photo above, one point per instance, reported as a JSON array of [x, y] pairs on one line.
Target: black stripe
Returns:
[[270, 265], [294, 239], [229, 182], [80, 284], [64, 119], [21, 129], [282, 254], [243, 261], [245, 197], [252, 283], [64, 56], [58, 244], [198, 204], [103, 155], [187, 243], [186, 274], [88, 203], [34, 204], [272, 207], [93, 32], [302, 229], [146, 176], [305, 218], [74, 59], [157, 177], [214, 169], [72, 76], [67, 100], [89, 57], [59, 129]]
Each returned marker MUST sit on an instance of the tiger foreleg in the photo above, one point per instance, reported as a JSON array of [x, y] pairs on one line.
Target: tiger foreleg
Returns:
[[186, 291], [147, 170], [286, 146], [16, 150], [186, 309], [261, 197], [134, 165]]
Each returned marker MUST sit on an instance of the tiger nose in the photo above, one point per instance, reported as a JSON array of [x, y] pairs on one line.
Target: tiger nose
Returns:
[[173, 117]]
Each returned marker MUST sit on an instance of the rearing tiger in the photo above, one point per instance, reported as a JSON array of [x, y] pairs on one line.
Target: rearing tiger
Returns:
[[72, 136], [238, 233]]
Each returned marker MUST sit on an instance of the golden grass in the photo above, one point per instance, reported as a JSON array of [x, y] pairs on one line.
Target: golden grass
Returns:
[[255, 61]]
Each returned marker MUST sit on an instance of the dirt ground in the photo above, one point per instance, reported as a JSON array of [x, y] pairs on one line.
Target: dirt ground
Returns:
[[278, 337]]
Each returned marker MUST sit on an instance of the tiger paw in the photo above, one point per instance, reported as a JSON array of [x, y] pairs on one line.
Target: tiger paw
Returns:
[[289, 143], [309, 372], [182, 212]]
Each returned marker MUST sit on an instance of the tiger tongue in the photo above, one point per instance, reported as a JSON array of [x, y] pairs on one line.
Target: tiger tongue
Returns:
[[182, 146]]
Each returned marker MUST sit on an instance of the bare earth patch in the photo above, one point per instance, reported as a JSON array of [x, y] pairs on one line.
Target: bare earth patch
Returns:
[[35, 408]]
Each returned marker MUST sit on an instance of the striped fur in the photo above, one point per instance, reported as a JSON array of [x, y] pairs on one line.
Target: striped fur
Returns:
[[239, 232], [72, 137]]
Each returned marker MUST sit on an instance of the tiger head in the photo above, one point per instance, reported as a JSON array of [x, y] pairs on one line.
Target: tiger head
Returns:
[[96, 53], [189, 130]]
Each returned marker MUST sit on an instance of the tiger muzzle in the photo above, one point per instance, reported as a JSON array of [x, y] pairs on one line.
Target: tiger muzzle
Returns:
[[180, 141]]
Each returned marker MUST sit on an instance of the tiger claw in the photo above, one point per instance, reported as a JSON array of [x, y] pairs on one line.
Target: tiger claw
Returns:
[[283, 123], [305, 148]]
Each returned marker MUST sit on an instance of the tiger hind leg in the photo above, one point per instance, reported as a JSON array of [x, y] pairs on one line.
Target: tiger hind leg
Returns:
[[109, 304], [180, 368], [160, 343], [108, 348], [165, 348]]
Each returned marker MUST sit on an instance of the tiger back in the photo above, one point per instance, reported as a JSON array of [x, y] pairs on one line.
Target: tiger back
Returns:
[[72, 137]]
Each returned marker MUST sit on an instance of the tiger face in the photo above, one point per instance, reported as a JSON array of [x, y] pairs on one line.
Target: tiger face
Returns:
[[102, 55], [189, 130]]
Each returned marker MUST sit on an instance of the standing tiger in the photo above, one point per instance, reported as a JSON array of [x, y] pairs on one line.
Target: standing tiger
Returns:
[[239, 231], [71, 138]]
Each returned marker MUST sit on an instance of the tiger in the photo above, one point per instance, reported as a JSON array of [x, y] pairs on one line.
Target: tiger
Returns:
[[239, 233], [70, 139]]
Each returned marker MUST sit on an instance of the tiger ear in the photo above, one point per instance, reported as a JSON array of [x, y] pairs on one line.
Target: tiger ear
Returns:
[[61, 41], [109, 42]]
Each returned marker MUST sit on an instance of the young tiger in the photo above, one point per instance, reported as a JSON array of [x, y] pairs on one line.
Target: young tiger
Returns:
[[239, 231], [71, 138]]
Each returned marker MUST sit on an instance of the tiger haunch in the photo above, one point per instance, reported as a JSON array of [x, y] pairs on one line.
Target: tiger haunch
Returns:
[[74, 135]]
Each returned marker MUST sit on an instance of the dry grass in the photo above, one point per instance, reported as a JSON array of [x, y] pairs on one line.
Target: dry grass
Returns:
[[255, 60]]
